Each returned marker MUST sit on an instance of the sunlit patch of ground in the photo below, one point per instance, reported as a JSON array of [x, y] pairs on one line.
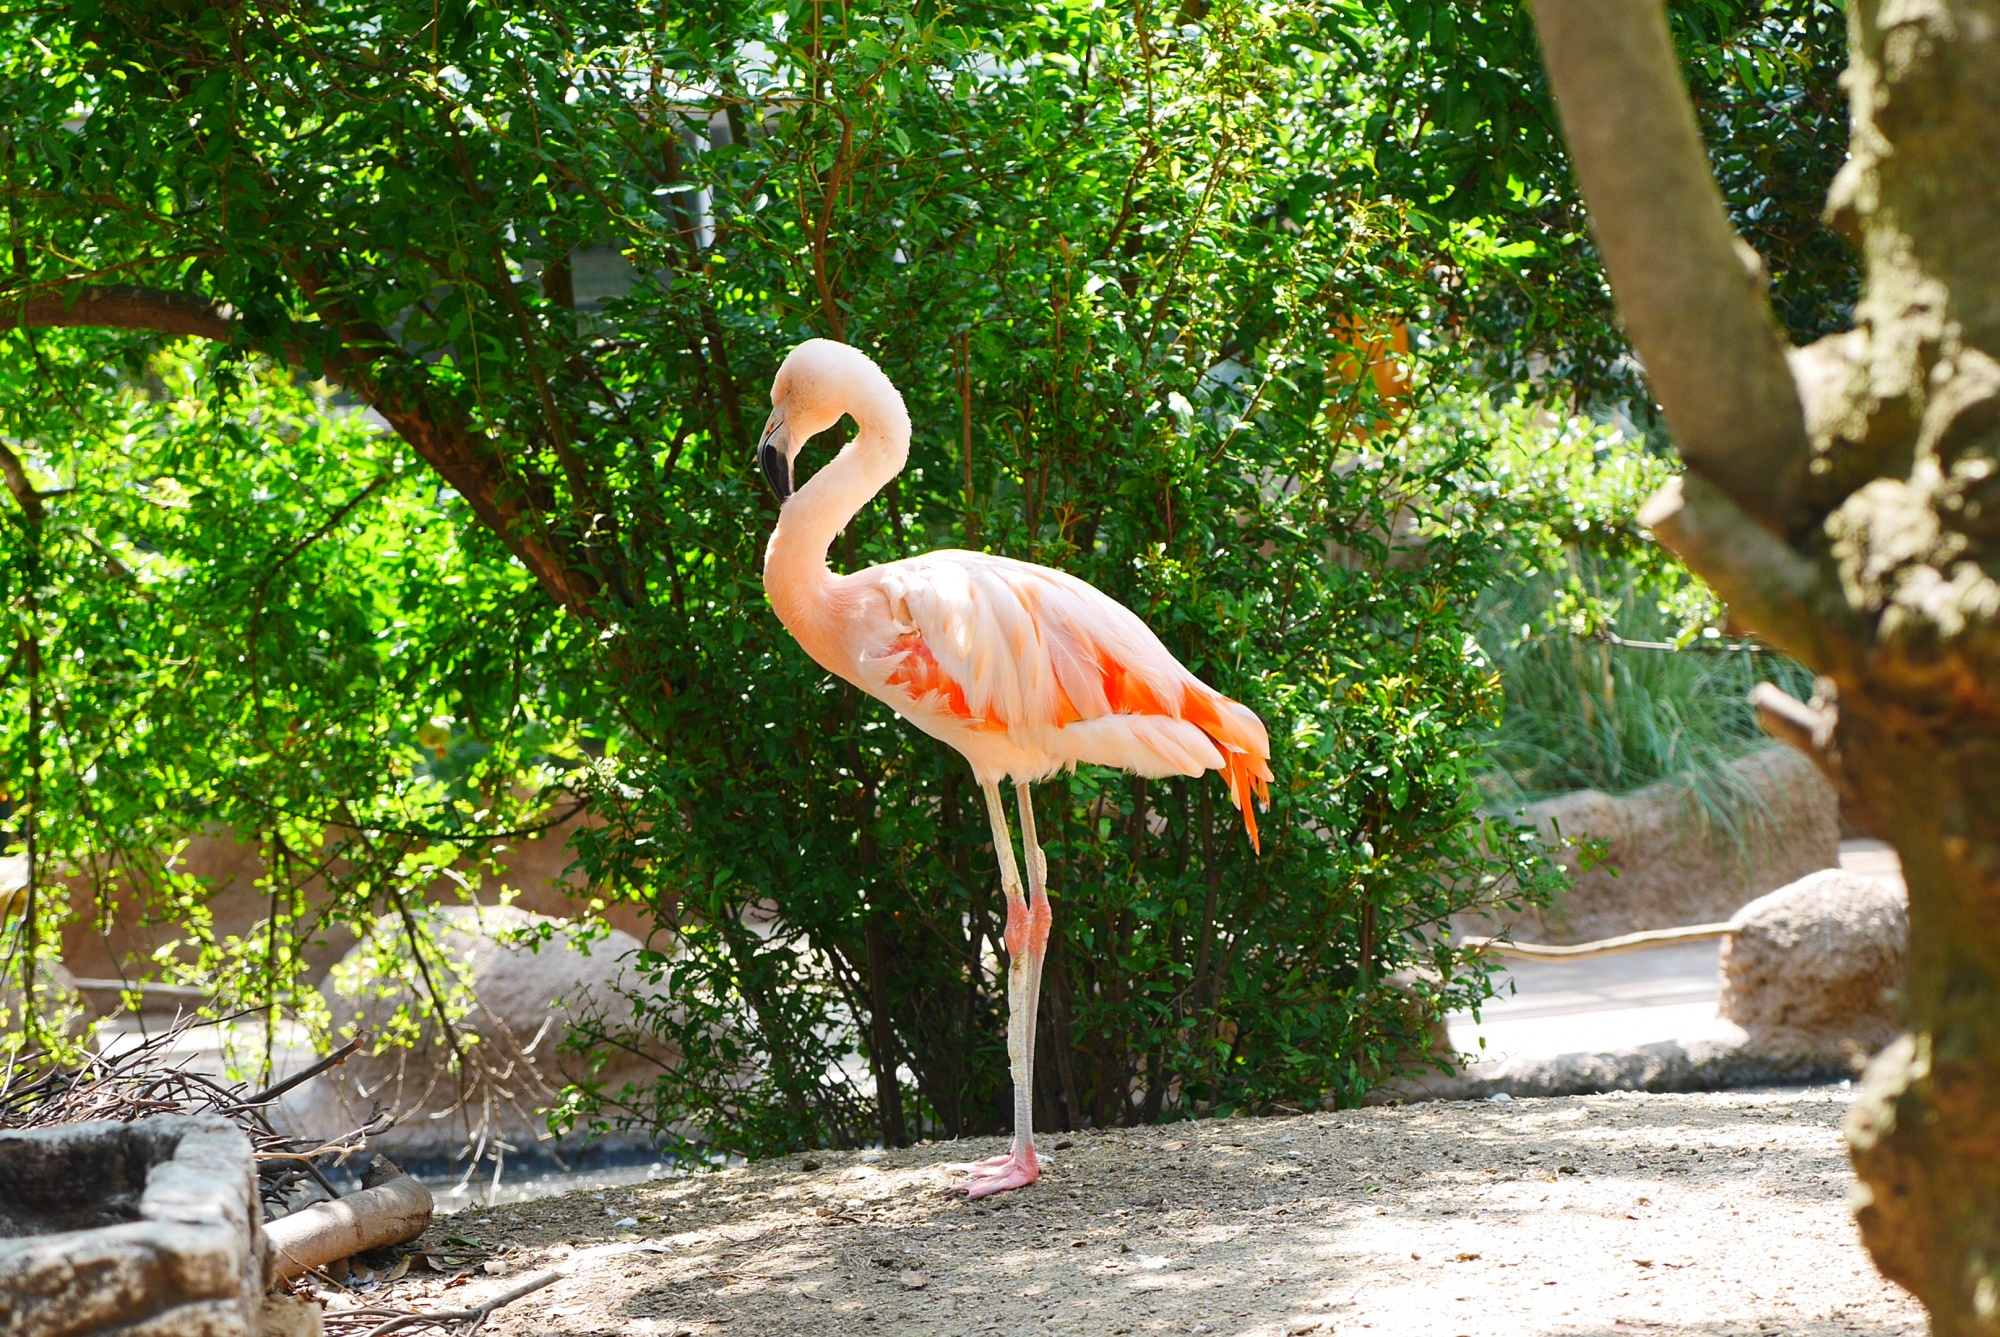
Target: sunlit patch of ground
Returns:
[[1707, 1214]]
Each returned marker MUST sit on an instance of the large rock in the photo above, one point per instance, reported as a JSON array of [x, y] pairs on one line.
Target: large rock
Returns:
[[1668, 862], [151, 1227], [529, 977], [1814, 968], [117, 931]]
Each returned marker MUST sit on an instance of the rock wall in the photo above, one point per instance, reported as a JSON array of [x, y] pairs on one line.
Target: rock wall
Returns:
[[527, 997], [1669, 863], [120, 939]]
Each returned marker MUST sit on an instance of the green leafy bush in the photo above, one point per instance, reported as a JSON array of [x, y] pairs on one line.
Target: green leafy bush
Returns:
[[1128, 279], [1470, 133], [1156, 406], [239, 610]]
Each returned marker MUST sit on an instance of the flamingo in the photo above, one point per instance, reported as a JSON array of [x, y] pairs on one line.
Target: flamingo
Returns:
[[1024, 669]]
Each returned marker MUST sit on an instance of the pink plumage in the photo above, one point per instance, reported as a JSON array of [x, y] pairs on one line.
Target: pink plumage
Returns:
[[1027, 671], [1023, 669]]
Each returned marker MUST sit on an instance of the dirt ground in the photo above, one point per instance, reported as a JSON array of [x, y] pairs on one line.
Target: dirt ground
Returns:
[[1701, 1214]]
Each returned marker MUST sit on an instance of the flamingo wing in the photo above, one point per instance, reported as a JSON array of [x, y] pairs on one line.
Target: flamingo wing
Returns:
[[1001, 646]]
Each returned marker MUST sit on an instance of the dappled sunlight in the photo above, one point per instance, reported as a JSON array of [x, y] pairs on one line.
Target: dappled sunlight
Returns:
[[1716, 1213]]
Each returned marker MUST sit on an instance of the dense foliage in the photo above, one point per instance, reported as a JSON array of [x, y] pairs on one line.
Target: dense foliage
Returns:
[[1130, 279], [254, 613], [1468, 135]]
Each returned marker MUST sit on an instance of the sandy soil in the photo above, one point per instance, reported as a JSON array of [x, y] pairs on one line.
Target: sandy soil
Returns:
[[1702, 1214]]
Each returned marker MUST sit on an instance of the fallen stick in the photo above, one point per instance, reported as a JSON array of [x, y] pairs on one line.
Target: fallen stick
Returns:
[[440, 1318], [392, 1209], [1630, 942]]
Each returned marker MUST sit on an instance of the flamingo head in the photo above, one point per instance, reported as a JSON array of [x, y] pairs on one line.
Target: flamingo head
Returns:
[[819, 383]]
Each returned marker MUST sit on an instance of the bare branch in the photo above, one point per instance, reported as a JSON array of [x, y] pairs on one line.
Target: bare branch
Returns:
[[300, 1078], [1772, 588], [1699, 321], [123, 307]]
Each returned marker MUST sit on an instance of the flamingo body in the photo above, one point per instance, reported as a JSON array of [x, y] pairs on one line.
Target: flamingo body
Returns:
[[1025, 670], [1028, 671]]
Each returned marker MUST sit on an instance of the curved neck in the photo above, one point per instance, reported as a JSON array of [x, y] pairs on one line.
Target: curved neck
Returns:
[[796, 576]]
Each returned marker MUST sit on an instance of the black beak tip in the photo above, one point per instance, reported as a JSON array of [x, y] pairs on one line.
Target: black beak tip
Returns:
[[777, 470]]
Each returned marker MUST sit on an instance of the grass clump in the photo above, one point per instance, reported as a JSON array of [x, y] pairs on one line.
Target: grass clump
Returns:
[[1618, 665]]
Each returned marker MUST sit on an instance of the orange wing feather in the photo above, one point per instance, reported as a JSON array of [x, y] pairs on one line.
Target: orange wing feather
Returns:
[[921, 676], [1246, 773]]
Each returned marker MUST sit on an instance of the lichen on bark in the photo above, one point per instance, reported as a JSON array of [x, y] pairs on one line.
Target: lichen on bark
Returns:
[[1883, 570], [1903, 506]]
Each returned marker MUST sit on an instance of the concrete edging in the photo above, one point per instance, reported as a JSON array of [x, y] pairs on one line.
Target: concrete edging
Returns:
[[166, 1231], [1668, 1066]]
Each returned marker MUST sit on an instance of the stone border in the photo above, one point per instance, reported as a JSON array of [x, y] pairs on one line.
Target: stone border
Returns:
[[1698, 1065], [183, 1254], [1666, 864]]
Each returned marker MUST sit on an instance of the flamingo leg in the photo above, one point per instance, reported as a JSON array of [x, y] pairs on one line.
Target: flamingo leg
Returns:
[[1041, 916], [1027, 936]]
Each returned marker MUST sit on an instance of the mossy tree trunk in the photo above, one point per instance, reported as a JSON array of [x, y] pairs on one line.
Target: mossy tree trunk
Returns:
[[1845, 499]]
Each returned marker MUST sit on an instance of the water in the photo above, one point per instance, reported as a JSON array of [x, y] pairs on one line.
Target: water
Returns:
[[454, 1193]]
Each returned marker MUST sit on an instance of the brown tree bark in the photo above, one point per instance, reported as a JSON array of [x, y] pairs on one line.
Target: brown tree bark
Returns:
[[1849, 510]]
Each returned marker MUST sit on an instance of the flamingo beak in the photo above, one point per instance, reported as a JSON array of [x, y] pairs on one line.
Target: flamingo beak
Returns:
[[771, 455]]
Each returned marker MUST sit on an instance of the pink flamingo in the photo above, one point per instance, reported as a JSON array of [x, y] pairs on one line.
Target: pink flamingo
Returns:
[[1025, 670]]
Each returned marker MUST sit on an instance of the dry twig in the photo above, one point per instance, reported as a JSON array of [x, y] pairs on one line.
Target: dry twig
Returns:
[[124, 1083], [380, 1320]]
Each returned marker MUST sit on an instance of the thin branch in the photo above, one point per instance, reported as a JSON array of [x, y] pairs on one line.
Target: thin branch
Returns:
[[333, 1060], [472, 1317], [1628, 942], [1692, 647], [1700, 323]]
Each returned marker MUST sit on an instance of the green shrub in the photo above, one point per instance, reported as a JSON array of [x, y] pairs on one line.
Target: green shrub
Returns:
[[244, 609], [1061, 368], [1116, 273]]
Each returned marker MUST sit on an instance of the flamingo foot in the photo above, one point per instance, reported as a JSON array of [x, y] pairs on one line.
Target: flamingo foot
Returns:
[[998, 1174], [978, 1167]]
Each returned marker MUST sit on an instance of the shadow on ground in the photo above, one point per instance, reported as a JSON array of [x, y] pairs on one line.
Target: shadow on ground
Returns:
[[1709, 1214]]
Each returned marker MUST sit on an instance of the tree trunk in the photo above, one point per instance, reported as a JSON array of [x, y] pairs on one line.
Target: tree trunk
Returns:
[[1859, 529], [1915, 741]]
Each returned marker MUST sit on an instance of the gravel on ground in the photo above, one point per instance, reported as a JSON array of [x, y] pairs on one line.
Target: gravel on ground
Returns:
[[1718, 1213]]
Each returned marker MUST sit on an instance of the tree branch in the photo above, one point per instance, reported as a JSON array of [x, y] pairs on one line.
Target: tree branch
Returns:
[[18, 483], [465, 457], [436, 429], [123, 307], [1782, 595], [1806, 727], [1700, 324]]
